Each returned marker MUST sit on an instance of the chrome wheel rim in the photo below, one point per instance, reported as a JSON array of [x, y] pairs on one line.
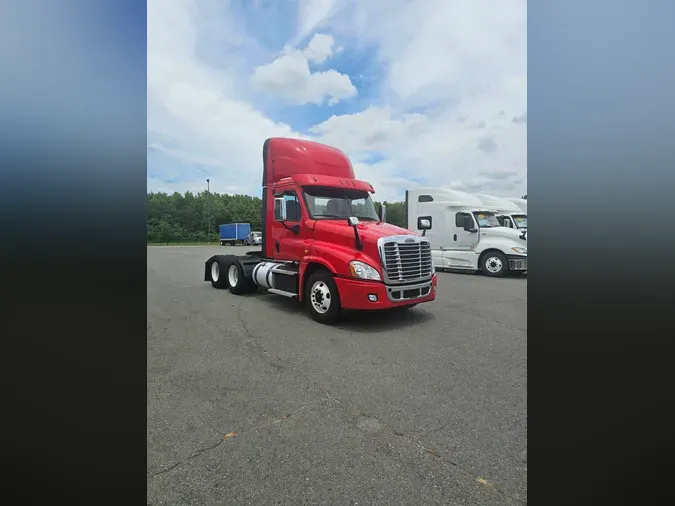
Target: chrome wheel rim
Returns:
[[320, 297], [233, 275], [215, 271], [494, 265]]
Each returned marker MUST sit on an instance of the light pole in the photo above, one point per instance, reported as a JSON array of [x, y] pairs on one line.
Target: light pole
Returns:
[[208, 190]]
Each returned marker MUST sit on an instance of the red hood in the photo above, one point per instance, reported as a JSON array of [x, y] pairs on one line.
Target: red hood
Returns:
[[340, 232]]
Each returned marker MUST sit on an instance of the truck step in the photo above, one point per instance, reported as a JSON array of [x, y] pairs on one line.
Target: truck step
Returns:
[[283, 292]]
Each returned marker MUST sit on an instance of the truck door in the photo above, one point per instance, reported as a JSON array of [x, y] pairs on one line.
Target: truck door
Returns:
[[437, 234], [287, 244], [460, 252]]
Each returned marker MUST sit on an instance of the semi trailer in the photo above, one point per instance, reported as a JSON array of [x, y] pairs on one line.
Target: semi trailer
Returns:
[[323, 243], [465, 234]]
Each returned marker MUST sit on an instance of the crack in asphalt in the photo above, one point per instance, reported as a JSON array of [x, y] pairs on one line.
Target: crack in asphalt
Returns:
[[202, 451], [468, 309], [257, 349], [353, 410]]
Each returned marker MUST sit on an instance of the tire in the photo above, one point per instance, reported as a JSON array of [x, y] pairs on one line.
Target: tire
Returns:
[[322, 298], [222, 243], [237, 280], [494, 264], [218, 273]]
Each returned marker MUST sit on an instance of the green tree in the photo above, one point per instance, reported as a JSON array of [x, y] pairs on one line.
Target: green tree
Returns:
[[185, 217]]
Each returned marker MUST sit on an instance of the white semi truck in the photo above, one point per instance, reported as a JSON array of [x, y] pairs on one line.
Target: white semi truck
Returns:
[[509, 214], [465, 234], [522, 203]]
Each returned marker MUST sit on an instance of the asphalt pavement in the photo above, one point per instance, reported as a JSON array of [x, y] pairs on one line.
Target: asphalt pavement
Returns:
[[252, 402]]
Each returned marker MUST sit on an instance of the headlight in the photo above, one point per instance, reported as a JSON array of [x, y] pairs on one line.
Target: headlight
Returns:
[[522, 251], [363, 271]]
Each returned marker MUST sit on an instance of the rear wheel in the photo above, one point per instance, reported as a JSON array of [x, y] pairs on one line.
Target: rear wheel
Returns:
[[237, 280], [322, 297], [218, 269], [494, 264]]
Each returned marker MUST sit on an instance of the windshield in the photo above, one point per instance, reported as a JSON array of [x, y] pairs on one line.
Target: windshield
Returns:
[[520, 220], [486, 220], [339, 204]]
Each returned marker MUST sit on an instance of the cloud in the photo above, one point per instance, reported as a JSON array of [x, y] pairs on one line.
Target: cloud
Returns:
[[313, 14], [198, 113], [487, 182], [320, 48], [443, 79], [449, 67], [373, 129], [290, 77], [487, 144], [522, 119]]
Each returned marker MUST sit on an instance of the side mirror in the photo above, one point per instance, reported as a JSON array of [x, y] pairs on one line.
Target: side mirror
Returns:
[[280, 209], [468, 223], [353, 221], [424, 224]]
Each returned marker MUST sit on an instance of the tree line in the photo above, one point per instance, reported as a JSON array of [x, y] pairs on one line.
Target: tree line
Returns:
[[193, 217]]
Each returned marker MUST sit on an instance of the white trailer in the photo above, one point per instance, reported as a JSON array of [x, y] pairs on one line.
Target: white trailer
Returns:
[[509, 214], [464, 233]]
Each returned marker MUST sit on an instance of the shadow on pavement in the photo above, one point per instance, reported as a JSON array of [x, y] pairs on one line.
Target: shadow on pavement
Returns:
[[357, 321]]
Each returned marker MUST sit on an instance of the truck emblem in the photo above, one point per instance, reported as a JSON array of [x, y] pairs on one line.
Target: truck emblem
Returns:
[[410, 240]]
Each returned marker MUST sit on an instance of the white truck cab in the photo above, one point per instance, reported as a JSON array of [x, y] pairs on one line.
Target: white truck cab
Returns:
[[509, 214], [522, 203], [464, 233]]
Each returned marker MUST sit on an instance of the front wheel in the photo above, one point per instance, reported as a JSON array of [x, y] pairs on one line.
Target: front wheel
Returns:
[[494, 264], [322, 297]]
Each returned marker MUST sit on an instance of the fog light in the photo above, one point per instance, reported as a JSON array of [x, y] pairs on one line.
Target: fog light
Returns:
[[372, 297]]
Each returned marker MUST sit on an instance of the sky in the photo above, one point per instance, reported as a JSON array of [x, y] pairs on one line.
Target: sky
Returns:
[[422, 93]]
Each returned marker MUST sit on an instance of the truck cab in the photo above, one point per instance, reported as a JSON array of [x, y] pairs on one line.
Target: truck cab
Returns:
[[323, 242], [465, 234], [508, 213], [253, 239]]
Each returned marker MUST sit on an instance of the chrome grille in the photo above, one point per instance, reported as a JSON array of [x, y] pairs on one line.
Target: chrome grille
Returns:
[[406, 259]]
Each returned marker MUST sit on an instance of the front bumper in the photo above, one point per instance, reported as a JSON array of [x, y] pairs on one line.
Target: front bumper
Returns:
[[355, 294], [517, 262]]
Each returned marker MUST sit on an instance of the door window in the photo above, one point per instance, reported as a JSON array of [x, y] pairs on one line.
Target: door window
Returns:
[[293, 209]]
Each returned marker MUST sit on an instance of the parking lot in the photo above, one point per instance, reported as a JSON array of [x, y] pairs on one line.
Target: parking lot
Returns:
[[252, 402]]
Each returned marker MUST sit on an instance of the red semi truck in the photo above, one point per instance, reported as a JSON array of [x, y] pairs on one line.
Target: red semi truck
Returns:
[[323, 242]]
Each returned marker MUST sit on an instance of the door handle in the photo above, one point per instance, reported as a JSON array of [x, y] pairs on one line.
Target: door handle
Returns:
[[455, 237]]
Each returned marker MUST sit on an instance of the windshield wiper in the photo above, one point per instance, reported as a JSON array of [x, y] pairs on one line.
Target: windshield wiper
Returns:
[[367, 218], [328, 216]]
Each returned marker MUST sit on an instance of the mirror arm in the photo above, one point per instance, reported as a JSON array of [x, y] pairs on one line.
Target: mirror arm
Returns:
[[359, 244]]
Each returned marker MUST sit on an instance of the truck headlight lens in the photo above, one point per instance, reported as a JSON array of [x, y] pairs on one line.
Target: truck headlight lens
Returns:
[[522, 251], [363, 271]]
